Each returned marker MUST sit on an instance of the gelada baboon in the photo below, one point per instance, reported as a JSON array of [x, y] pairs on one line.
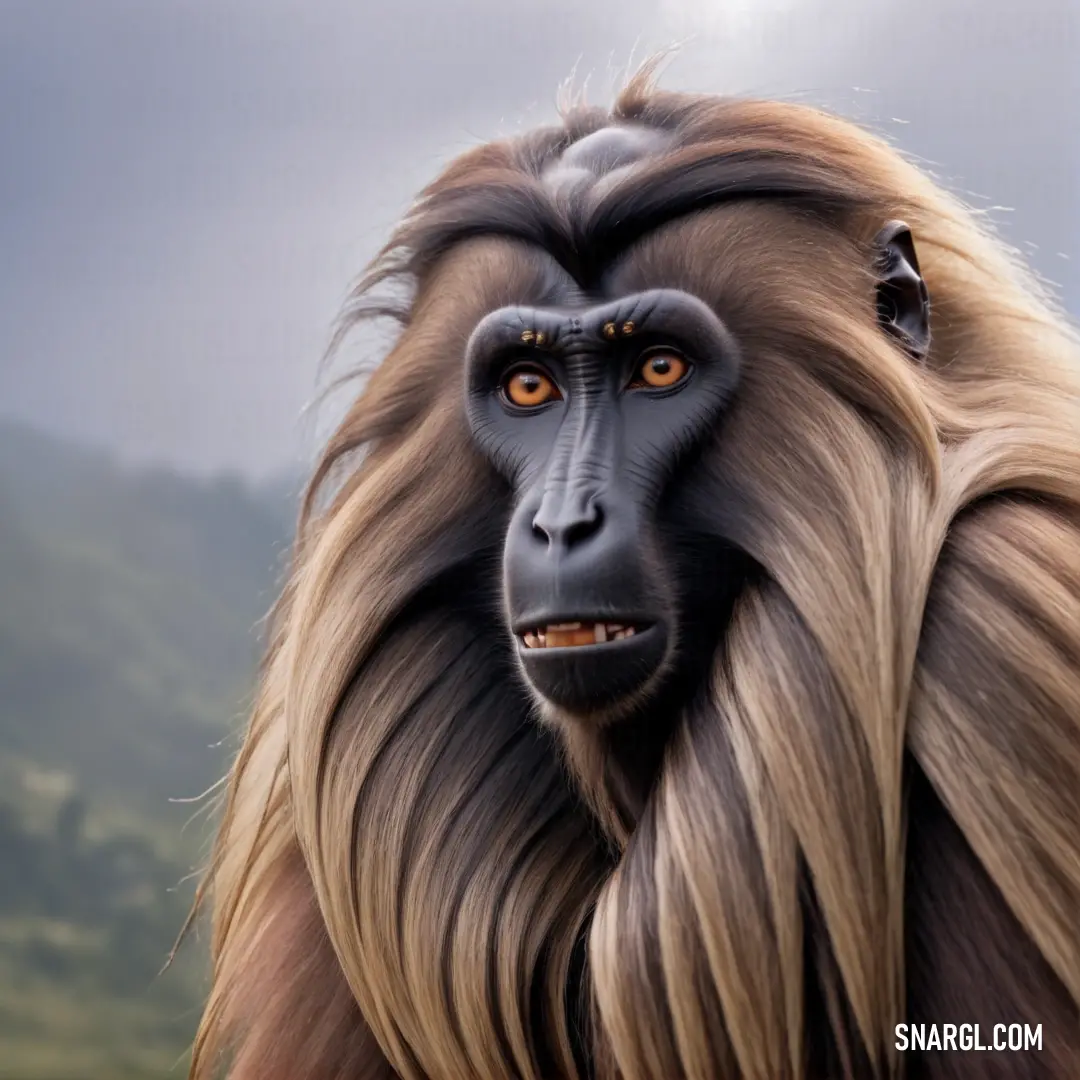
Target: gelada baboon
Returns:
[[679, 671]]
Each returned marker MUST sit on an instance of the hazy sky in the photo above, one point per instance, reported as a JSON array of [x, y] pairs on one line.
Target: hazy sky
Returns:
[[187, 187]]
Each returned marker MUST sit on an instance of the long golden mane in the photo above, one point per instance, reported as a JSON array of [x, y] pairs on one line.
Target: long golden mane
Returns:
[[415, 878]]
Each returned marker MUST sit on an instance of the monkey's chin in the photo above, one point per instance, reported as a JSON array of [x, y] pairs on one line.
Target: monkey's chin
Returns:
[[597, 682]]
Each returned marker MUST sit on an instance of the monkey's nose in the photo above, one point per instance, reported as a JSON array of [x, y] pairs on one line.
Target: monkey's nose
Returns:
[[569, 523]]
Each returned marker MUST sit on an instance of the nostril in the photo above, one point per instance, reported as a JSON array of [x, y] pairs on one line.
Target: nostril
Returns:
[[581, 530], [567, 530]]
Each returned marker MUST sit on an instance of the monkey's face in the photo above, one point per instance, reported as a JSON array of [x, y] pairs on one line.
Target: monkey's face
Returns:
[[590, 414]]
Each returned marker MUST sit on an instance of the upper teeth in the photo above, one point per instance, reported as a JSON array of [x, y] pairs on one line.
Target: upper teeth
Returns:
[[561, 635]]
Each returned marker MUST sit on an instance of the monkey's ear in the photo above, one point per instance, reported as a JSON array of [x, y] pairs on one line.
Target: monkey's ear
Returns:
[[903, 302]]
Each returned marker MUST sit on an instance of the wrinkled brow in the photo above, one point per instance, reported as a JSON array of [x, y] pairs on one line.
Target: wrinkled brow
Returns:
[[584, 235]]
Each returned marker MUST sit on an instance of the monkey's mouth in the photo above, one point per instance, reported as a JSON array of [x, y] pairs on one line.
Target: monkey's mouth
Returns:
[[576, 634], [588, 666]]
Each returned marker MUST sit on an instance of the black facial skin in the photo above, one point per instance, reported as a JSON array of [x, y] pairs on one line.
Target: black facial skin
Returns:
[[590, 469], [604, 528]]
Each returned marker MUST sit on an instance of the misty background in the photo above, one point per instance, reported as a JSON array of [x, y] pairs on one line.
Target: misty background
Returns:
[[187, 190]]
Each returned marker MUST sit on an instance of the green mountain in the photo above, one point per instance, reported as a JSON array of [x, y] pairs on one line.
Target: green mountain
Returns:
[[130, 611]]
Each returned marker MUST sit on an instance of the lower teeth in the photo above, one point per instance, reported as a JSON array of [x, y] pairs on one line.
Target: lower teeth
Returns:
[[570, 635]]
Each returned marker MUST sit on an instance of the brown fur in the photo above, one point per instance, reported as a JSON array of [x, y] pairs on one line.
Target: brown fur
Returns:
[[872, 812]]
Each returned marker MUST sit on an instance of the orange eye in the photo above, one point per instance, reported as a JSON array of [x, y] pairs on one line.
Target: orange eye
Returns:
[[660, 369], [527, 388]]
